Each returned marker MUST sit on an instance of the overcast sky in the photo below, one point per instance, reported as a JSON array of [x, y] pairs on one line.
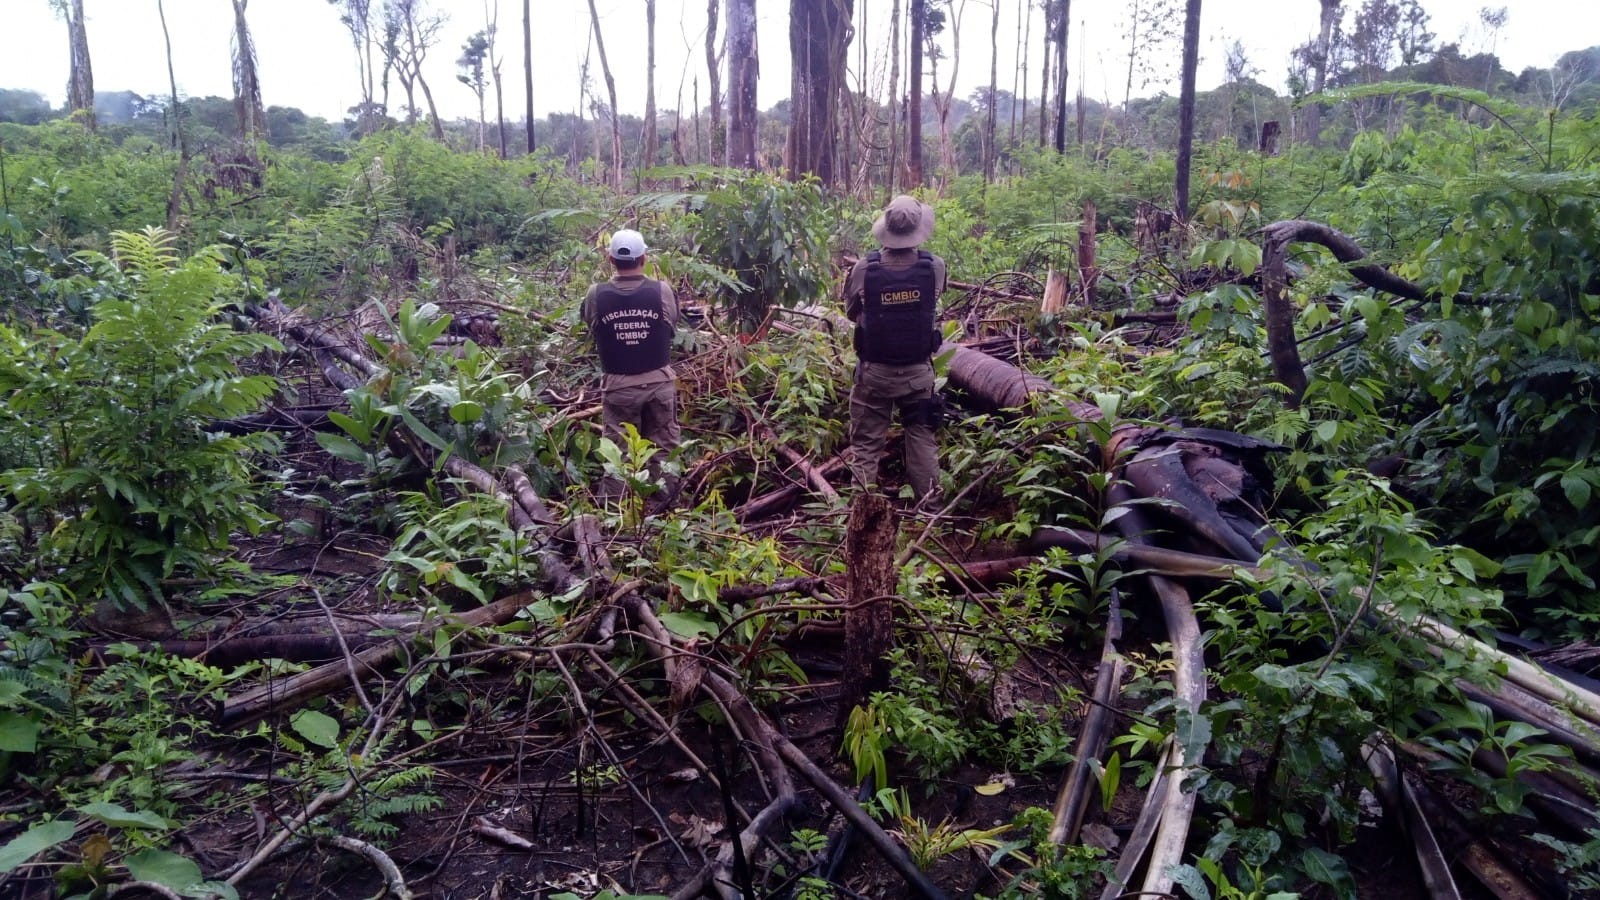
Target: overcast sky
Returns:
[[306, 59]]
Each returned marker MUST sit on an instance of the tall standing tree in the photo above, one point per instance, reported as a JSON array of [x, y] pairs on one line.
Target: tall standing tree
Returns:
[[357, 18], [1049, 8], [611, 93], [175, 119], [247, 108], [994, 93], [893, 104], [744, 68], [1191, 56], [937, 21], [1063, 17], [80, 74], [1025, 14], [819, 41], [415, 31], [471, 70], [651, 140], [527, 69], [714, 74], [491, 30], [919, 25], [1321, 60]]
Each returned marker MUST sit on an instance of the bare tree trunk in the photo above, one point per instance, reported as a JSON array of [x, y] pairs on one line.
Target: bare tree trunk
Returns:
[[1328, 19], [1061, 75], [433, 109], [893, 181], [1044, 74], [994, 95], [492, 13], [527, 70], [1191, 56], [247, 108], [1025, 13], [80, 78], [650, 138], [611, 92], [179, 141], [743, 70], [872, 579], [941, 102], [714, 68], [919, 16], [819, 36]]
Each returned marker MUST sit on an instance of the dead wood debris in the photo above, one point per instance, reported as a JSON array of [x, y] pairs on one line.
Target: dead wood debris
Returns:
[[1206, 479]]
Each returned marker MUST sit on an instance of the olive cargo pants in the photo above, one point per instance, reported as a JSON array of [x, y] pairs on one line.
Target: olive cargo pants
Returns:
[[879, 390]]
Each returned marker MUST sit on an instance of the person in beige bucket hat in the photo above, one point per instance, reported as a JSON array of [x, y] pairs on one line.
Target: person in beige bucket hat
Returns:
[[892, 296]]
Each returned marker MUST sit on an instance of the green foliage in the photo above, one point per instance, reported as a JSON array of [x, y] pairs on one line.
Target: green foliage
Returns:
[[772, 235], [109, 437], [1052, 871]]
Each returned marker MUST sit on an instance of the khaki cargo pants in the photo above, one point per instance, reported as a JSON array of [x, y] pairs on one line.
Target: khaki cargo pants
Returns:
[[878, 391], [653, 410]]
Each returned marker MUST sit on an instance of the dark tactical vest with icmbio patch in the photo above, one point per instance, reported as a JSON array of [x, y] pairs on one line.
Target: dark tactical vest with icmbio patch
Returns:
[[631, 330], [897, 312]]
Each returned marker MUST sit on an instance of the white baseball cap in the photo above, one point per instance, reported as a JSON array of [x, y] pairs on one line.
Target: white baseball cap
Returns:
[[627, 244]]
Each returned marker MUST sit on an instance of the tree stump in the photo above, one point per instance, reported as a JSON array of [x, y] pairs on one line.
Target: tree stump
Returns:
[[871, 580]]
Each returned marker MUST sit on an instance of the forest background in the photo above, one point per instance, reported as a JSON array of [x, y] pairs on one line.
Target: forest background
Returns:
[[162, 483]]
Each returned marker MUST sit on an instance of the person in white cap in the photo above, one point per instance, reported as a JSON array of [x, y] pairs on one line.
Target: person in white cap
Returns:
[[892, 296], [632, 320]]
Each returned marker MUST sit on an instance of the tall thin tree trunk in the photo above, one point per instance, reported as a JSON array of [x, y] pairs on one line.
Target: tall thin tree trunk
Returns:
[[180, 142], [1025, 14], [893, 181], [80, 77], [433, 109], [1061, 75], [527, 70], [1328, 18], [650, 138], [247, 108], [743, 70], [994, 95], [941, 101], [1044, 75], [714, 82], [919, 15], [611, 92], [493, 15], [1191, 55]]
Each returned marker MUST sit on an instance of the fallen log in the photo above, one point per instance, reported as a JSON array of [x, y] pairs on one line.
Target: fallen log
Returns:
[[260, 702], [1073, 798]]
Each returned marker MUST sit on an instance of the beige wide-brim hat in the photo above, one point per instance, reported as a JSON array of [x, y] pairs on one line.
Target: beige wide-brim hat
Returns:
[[906, 222]]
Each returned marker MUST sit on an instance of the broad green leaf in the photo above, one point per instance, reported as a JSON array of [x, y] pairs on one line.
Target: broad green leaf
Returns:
[[687, 624], [317, 727], [466, 412], [114, 815], [32, 842], [165, 868], [1577, 489], [18, 733], [342, 447]]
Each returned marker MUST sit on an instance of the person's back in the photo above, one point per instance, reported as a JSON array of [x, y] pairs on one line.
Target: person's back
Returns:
[[892, 296], [631, 319]]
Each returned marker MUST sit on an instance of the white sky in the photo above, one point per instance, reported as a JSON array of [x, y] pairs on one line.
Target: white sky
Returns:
[[306, 59]]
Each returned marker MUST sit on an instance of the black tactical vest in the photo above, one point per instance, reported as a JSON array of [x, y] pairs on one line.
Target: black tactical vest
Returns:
[[631, 330], [897, 312]]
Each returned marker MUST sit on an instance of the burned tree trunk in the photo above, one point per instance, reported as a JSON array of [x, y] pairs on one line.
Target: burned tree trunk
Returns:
[[872, 579]]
